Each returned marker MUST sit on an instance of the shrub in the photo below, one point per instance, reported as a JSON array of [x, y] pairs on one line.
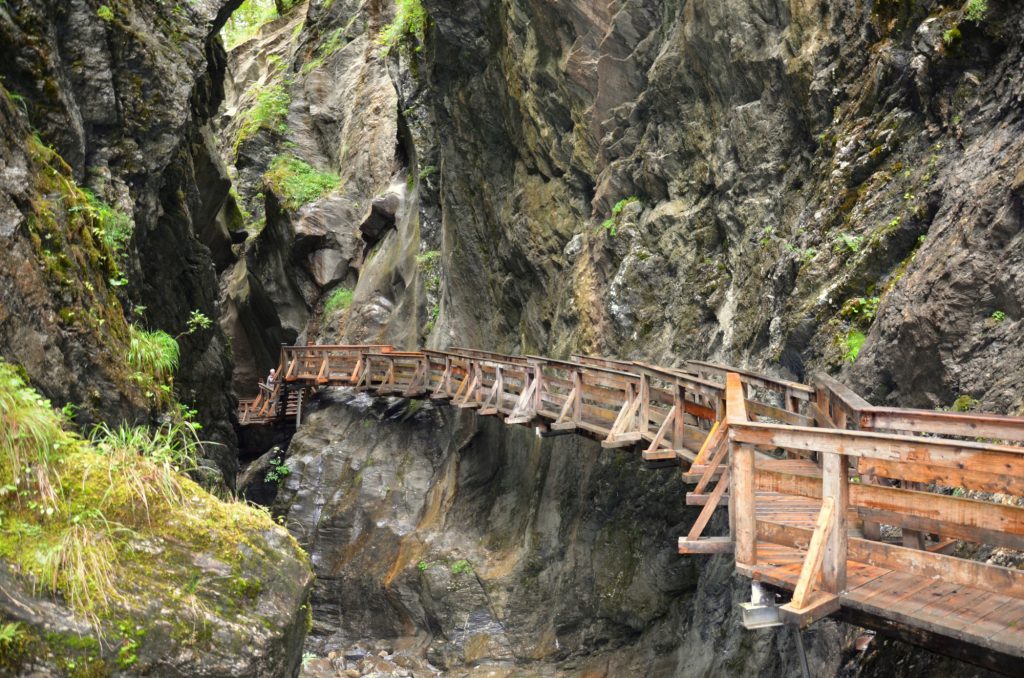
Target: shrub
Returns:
[[964, 403], [74, 511], [339, 300], [32, 439], [998, 316], [246, 21], [860, 309], [113, 226], [278, 471], [270, 111], [852, 343], [297, 182], [153, 353], [105, 13], [975, 10]]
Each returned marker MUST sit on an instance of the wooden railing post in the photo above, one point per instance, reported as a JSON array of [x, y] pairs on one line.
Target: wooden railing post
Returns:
[[645, 405], [679, 423], [742, 504], [836, 485]]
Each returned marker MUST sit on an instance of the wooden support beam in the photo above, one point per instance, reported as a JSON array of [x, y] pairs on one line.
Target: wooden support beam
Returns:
[[815, 562], [742, 506], [697, 529], [705, 545], [836, 490], [925, 564], [819, 605]]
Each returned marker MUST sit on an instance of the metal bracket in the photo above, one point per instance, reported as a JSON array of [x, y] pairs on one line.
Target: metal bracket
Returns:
[[761, 612]]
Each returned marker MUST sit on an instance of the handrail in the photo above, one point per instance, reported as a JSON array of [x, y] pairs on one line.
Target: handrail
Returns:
[[764, 381]]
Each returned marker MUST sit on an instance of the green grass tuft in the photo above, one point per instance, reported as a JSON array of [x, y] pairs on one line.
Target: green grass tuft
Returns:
[[852, 344], [339, 300], [154, 354], [298, 183], [410, 22]]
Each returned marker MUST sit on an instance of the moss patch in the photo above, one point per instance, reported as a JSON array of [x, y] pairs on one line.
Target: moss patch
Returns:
[[298, 183], [111, 528]]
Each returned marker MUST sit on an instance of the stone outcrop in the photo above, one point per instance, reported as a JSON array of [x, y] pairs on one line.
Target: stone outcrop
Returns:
[[482, 548], [818, 186], [123, 97], [799, 171]]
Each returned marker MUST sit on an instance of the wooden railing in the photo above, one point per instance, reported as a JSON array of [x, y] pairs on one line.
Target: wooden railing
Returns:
[[817, 480], [668, 411]]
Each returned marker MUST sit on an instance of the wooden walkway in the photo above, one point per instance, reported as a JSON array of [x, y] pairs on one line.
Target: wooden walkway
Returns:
[[843, 508]]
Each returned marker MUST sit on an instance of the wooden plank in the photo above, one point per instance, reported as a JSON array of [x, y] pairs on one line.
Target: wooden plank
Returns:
[[801, 391], [835, 486], [709, 441], [820, 605], [967, 424], [705, 545], [697, 529], [735, 402], [816, 553], [757, 409], [923, 564], [943, 508], [978, 456], [944, 475]]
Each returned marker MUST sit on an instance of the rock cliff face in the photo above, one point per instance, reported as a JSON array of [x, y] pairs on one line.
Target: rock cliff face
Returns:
[[789, 186], [492, 551], [818, 185], [111, 191], [122, 93]]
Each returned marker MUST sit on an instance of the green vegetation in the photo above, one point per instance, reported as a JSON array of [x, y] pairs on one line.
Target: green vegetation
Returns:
[[114, 227], [423, 566], [852, 343], [334, 42], [806, 255], [246, 21], [269, 112], [74, 513], [964, 403], [998, 316], [278, 471], [429, 265], [861, 310], [297, 182], [105, 13], [852, 242], [153, 353], [340, 300], [951, 36], [975, 10], [611, 223], [461, 567], [410, 24]]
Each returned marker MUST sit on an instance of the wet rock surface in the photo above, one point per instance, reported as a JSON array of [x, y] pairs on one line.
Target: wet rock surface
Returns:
[[124, 101], [485, 550]]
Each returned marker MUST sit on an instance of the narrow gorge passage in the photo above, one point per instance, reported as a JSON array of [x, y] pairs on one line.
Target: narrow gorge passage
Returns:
[[616, 204]]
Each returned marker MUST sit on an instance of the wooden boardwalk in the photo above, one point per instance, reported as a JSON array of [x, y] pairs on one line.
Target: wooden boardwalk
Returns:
[[843, 508]]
